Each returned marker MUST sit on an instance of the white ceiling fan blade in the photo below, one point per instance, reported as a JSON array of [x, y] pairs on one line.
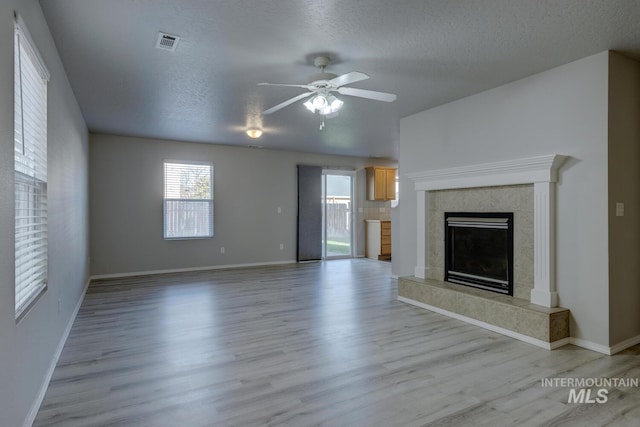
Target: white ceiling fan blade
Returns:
[[369, 94], [347, 79], [287, 85], [287, 102]]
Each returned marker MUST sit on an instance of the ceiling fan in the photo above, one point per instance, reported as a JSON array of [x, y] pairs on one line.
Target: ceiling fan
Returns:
[[322, 87]]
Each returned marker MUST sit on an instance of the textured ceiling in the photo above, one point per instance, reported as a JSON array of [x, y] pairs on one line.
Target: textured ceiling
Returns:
[[426, 52]]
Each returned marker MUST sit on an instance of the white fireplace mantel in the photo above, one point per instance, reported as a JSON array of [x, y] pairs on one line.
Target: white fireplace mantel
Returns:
[[541, 171]]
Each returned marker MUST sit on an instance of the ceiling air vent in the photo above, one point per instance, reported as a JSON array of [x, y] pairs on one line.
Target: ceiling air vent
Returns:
[[167, 41]]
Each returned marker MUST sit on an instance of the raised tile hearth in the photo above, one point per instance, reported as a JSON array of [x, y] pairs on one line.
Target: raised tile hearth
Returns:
[[542, 326]]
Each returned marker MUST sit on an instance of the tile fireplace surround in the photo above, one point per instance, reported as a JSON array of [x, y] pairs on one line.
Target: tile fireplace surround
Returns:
[[525, 187]]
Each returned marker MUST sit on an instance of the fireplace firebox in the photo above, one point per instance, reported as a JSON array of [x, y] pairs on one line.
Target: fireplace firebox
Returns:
[[479, 250]]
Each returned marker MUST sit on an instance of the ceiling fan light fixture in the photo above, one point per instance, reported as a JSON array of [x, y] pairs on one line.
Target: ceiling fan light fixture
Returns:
[[319, 102], [335, 103], [310, 106], [254, 133], [325, 110], [331, 105]]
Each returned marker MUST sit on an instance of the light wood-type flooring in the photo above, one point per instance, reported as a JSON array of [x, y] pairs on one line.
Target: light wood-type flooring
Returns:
[[310, 344]]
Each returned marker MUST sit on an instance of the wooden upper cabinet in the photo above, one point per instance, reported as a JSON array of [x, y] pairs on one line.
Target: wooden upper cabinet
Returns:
[[381, 183]]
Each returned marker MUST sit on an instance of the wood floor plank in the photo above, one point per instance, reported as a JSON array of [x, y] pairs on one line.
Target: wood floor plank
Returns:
[[304, 345]]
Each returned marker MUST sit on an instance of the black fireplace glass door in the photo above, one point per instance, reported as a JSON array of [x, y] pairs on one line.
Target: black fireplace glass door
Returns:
[[480, 252]]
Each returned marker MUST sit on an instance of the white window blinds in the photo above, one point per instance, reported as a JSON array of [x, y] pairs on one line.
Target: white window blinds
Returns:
[[30, 170], [188, 200]]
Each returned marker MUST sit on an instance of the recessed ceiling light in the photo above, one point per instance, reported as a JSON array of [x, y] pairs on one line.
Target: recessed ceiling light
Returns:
[[254, 133]]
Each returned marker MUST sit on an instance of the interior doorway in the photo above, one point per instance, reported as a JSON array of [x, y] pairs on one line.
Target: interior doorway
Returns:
[[337, 214]]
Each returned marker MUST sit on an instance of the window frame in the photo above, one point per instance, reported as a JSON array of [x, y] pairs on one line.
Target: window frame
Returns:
[[208, 201], [31, 256]]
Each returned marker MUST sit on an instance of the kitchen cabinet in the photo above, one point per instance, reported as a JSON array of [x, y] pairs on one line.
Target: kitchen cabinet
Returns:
[[381, 183], [378, 239]]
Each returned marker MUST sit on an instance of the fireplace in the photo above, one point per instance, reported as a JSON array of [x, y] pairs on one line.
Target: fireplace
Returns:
[[479, 250]]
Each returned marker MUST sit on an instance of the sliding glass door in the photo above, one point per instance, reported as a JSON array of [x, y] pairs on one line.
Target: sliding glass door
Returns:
[[337, 218]]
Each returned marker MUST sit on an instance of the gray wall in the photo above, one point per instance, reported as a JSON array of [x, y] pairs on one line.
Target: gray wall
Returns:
[[249, 186], [624, 182], [560, 111], [27, 348]]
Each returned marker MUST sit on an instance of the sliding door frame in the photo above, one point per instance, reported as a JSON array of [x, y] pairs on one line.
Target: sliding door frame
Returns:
[[352, 210]]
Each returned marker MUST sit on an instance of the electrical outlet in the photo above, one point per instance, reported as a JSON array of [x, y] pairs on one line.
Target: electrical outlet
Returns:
[[221, 249], [281, 246], [382, 209], [360, 210], [619, 209], [279, 209]]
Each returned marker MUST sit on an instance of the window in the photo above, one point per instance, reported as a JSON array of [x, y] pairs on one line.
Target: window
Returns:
[[30, 170], [188, 200]]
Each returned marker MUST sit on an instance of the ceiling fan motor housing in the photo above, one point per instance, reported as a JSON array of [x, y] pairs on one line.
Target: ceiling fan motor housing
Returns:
[[321, 79]]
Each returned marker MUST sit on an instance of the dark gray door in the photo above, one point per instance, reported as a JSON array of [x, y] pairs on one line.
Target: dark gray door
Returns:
[[309, 213]]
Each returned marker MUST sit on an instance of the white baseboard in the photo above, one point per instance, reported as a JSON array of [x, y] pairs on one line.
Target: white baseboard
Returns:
[[625, 344], [186, 270], [590, 345], [608, 350], [503, 331], [35, 406]]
